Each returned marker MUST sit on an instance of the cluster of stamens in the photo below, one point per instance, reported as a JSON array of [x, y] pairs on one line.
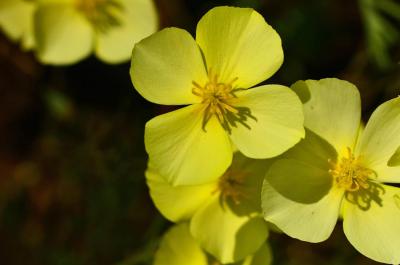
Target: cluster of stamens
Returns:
[[231, 186], [103, 14], [217, 98], [350, 175]]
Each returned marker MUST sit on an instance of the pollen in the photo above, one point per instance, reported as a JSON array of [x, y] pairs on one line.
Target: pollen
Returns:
[[103, 14], [350, 175], [231, 186]]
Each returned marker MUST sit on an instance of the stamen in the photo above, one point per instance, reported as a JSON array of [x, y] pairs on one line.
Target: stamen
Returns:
[[231, 186], [350, 174], [217, 98], [103, 14]]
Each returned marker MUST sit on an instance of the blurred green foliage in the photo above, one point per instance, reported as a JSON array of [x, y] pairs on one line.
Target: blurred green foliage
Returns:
[[381, 19]]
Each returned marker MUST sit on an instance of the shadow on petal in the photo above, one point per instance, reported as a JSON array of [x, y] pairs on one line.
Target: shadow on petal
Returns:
[[303, 174]]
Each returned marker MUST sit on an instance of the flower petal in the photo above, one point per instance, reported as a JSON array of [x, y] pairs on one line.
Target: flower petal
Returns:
[[178, 247], [237, 42], [138, 20], [262, 257], [16, 20], [298, 199], [275, 124], [395, 159], [227, 236], [381, 139], [332, 109], [177, 203], [375, 231], [182, 151], [164, 66], [63, 35]]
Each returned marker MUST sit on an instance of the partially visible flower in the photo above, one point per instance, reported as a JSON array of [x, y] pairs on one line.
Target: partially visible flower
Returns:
[[234, 50], [67, 31], [178, 247], [16, 21], [395, 159], [225, 216], [339, 169]]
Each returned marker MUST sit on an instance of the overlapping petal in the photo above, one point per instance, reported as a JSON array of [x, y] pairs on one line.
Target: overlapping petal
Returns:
[[275, 122], [332, 109], [395, 159], [262, 257], [237, 42], [375, 231], [297, 198], [63, 35], [185, 153], [226, 235], [163, 73], [178, 247], [137, 20], [381, 139], [16, 20], [177, 203]]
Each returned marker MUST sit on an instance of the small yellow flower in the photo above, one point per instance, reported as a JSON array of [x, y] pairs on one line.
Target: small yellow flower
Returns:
[[340, 168], [178, 247], [234, 49], [225, 215], [16, 21], [67, 31]]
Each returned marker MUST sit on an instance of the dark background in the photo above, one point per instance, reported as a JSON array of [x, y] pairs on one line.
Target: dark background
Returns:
[[72, 188]]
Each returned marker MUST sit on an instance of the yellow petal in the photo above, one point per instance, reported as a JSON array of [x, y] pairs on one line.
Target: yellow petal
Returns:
[[375, 231], [164, 66], [180, 202], [274, 125], [297, 197], [178, 247], [237, 42], [227, 236], [138, 20], [262, 257], [395, 159], [332, 109], [313, 150], [63, 35], [182, 151], [380, 140], [16, 20]]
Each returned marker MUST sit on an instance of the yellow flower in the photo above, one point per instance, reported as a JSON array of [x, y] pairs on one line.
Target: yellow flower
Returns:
[[67, 31], [234, 49], [340, 168], [16, 21], [225, 215], [178, 247]]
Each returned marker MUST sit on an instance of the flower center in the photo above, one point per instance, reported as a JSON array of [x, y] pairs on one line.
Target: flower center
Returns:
[[231, 186], [350, 174], [217, 98], [103, 14]]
